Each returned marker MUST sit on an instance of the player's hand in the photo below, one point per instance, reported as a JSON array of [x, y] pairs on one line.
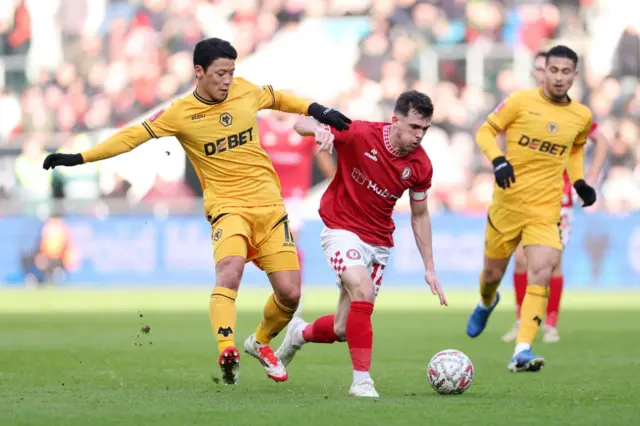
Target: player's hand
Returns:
[[324, 138], [585, 192], [503, 171], [329, 116], [68, 160], [436, 289]]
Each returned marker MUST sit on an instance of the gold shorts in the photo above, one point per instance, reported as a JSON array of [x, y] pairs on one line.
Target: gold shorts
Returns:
[[259, 234], [506, 228]]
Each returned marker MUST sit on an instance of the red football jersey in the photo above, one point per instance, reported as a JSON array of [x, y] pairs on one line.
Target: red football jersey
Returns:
[[370, 179], [567, 196], [291, 154]]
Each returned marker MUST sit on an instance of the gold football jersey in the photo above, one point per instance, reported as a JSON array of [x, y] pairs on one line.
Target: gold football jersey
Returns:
[[540, 136], [221, 139]]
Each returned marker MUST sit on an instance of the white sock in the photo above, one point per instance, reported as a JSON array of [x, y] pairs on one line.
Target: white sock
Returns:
[[486, 307], [521, 347], [297, 338], [359, 376]]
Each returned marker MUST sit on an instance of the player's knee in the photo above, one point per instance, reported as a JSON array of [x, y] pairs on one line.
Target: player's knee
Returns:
[[361, 289], [289, 296], [229, 272], [491, 275], [539, 273]]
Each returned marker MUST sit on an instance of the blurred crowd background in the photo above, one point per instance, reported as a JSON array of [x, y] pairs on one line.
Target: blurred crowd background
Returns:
[[71, 71]]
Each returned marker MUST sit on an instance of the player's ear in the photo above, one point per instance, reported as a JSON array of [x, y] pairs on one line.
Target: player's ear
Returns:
[[199, 71], [394, 119]]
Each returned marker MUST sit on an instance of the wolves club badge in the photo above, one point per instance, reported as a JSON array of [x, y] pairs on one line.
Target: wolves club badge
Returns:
[[353, 254]]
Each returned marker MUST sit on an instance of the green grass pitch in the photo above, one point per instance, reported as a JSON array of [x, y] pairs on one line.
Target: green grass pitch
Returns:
[[78, 357]]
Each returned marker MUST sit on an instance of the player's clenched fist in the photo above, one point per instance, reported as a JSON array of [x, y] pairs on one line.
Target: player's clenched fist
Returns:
[[68, 160], [324, 138], [503, 171], [585, 192]]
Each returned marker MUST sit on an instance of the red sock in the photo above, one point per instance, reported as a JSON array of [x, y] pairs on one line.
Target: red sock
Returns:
[[360, 335], [320, 331], [553, 306], [520, 286]]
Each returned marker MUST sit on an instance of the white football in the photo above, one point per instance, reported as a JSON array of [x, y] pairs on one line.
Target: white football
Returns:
[[450, 372]]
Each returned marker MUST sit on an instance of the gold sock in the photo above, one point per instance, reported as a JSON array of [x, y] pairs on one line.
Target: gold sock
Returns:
[[222, 314], [276, 317], [488, 291], [533, 308]]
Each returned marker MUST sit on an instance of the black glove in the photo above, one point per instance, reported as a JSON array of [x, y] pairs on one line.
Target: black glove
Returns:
[[586, 192], [330, 116], [68, 160], [503, 171]]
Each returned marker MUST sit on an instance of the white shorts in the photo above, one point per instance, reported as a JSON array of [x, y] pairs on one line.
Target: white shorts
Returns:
[[566, 218], [295, 210], [344, 249]]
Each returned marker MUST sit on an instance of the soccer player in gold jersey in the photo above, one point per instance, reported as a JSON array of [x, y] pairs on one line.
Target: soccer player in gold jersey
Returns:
[[216, 126], [549, 329], [545, 134]]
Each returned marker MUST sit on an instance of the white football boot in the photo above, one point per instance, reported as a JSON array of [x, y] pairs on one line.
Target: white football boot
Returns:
[[263, 353], [364, 388], [550, 335], [292, 342], [512, 334]]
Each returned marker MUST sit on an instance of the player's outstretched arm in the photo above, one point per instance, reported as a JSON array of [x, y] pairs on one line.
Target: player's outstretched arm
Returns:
[[600, 153], [123, 141], [287, 102], [421, 226], [575, 168]]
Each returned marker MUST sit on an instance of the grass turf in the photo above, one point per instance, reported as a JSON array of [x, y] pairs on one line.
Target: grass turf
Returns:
[[78, 357]]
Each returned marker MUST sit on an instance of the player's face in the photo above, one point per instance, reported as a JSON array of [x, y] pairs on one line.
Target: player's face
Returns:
[[410, 130], [558, 76], [217, 78], [538, 70]]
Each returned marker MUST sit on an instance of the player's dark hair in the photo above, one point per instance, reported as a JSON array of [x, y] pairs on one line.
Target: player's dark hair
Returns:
[[561, 51], [541, 54], [414, 100], [210, 49]]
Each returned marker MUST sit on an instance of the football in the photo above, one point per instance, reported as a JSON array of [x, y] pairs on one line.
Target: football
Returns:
[[450, 372]]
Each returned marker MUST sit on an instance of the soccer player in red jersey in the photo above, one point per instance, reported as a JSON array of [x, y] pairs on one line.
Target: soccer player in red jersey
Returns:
[[550, 330], [377, 163], [292, 157]]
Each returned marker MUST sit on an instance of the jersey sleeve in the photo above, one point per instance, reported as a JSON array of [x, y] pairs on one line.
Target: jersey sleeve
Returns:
[[343, 137], [163, 123], [505, 113], [581, 139], [421, 188], [268, 98]]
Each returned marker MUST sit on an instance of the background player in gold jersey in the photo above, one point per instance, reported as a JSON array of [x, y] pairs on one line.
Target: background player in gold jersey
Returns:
[[545, 134], [556, 285], [216, 126]]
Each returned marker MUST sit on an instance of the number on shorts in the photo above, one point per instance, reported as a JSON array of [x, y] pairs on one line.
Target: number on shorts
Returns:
[[376, 276]]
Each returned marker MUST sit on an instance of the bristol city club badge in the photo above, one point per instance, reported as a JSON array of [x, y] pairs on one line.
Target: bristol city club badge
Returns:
[[406, 173], [353, 254]]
